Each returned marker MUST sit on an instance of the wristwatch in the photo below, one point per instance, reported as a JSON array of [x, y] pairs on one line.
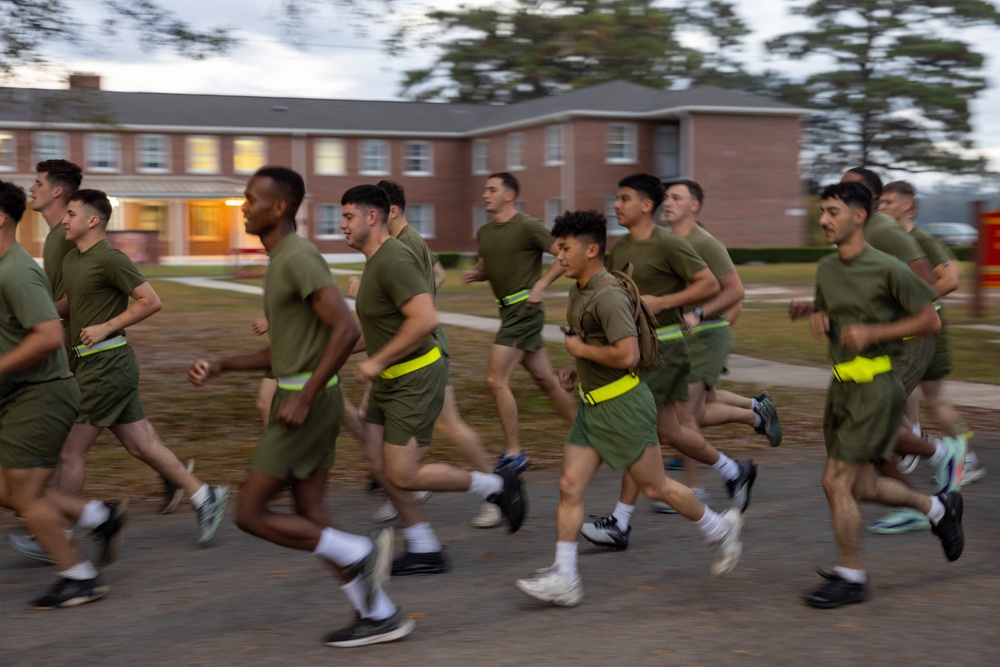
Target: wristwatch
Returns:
[[699, 312]]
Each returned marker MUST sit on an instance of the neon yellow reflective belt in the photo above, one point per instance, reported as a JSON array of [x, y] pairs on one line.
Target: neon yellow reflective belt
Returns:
[[109, 344], [862, 369], [937, 305], [622, 385], [298, 381], [411, 365], [711, 324], [669, 333], [511, 299]]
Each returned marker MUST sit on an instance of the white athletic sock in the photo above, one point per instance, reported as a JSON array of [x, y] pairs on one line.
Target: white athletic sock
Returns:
[[753, 404], [727, 467], [200, 497], [566, 560], [93, 515], [712, 525], [937, 510], [383, 607], [622, 514], [420, 539], [940, 452], [342, 548], [355, 592], [757, 419], [485, 484], [852, 576], [971, 459], [80, 571], [916, 429]]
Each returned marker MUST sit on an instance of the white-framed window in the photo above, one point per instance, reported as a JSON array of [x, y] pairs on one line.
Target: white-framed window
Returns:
[[421, 218], [614, 229], [249, 154], [8, 151], [203, 155], [479, 217], [328, 218], [515, 151], [152, 153], [481, 156], [553, 209], [103, 152], [622, 140], [374, 155], [418, 158], [553, 145], [49, 146], [330, 157]]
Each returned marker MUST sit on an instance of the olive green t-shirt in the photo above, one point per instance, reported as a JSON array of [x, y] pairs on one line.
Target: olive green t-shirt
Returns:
[[295, 270], [711, 250], [883, 233], [603, 316], [662, 264], [26, 302], [872, 288], [512, 253], [937, 252], [53, 252], [412, 239], [391, 277], [98, 283]]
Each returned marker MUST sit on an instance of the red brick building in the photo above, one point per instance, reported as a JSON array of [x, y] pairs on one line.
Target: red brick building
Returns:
[[177, 164]]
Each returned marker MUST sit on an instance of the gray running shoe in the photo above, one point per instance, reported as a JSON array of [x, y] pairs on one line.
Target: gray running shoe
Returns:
[[661, 507], [973, 471], [604, 532], [366, 631], [28, 546], [173, 494], [210, 514], [769, 424]]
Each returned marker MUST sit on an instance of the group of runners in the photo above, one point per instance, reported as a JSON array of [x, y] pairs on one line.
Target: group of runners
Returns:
[[649, 350]]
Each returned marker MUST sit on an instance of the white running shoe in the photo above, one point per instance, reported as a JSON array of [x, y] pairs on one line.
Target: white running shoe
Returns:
[[388, 511], [549, 585], [726, 552], [489, 516]]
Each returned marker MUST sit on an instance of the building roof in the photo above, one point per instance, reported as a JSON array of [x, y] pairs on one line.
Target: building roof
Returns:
[[84, 108]]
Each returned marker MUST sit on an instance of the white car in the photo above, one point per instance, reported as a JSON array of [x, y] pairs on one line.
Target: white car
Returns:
[[953, 233]]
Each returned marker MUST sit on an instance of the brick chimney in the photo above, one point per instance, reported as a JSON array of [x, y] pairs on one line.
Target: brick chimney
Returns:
[[84, 81]]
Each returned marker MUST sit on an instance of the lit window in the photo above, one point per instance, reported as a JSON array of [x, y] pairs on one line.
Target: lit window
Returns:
[[8, 152], [103, 152], [153, 153], [553, 144], [418, 159], [328, 221], [553, 209], [481, 156], [621, 143], [49, 146], [421, 218], [249, 154], [330, 157], [374, 157], [203, 155], [515, 151]]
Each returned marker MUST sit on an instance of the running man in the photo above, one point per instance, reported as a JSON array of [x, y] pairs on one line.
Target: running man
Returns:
[[511, 246], [616, 417], [866, 303], [313, 335], [408, 374], [670, 275], [39, 400]]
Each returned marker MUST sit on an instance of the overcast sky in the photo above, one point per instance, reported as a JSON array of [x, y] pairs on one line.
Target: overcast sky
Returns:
[[336, 57]]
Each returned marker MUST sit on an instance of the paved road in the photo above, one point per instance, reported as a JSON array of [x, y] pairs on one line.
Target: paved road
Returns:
[[244, 602]]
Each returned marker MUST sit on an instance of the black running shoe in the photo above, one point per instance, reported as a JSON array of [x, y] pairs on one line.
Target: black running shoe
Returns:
[[511, 500], [836, 592], [949, 528], [365, 631], [71, 593], [604, 532], [420, 563], [739, 488], [109, 535]]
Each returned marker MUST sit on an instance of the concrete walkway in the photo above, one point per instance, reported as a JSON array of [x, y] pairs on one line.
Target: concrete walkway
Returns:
[[742, 369]]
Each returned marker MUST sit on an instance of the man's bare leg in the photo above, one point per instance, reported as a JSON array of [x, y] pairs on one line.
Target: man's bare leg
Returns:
[[500, 367]]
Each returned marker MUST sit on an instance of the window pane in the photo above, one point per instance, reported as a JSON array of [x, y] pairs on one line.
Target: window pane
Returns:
[[49, 146], [374, 157], [421, 218], [102, 152], [249, 154], [553, 208], [8, 153], [203, 155], [553, 145], [328, 220], [621, 142], [417, 159], [481, 156], [515, 151], [154, 154], [331, 157]]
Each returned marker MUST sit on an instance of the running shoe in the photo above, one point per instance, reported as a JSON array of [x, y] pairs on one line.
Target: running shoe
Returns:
[[727, 550], [604, 532], [489, 516], [948, 472], [972, 471], [388, 511], [28, 546], [900, 520], [374, 567], [210, 514], [173, 494], [673, 464], [907, 463], [434, 562], [661, 507], [836, 592], [512, 501], [739, 488], [110, 535], [367, 631], [949, 528], [549, 585], [71, 593], [519, 462], [769, 424]]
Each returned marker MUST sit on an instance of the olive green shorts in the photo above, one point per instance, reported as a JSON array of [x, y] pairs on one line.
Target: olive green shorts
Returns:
[[409, 405], [861, 421], [709, 346], [940, 367], [109, 388], [619, 429], [442, 342], [284, 452], [521, 327], [34, 422], [668, 380], [912, 363]]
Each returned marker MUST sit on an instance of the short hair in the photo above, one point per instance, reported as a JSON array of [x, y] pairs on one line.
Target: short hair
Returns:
[[395, 192], [903, 188], [289, 184], [696, 191], [852, 193], [368, 197], [648, 185], [97, 200], [12, 201], [590, 225], [61, 173], [509, 182], [869, 178]]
